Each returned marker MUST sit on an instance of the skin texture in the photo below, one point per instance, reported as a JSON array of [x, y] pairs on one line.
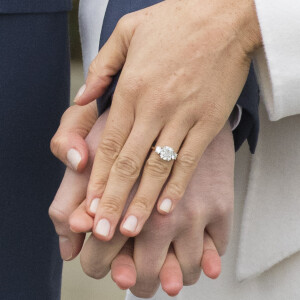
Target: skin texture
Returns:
[[170, 93], [179, 243]]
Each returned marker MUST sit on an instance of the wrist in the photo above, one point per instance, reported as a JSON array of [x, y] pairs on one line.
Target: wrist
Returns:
[[249, 33]]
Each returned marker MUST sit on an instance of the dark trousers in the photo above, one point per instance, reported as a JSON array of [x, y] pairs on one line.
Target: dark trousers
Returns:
[[34, 92]]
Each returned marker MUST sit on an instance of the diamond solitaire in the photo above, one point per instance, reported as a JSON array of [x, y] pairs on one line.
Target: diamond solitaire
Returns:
[[166, 153]]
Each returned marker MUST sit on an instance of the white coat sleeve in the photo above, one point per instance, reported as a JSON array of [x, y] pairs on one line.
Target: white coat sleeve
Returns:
[[277, 64]]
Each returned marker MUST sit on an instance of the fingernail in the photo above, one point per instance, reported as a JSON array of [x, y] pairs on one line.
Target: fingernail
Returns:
[[74, 158], [130, 223], [103, 227], [79, 93], [94, 205], [66, 249], [166, 205]]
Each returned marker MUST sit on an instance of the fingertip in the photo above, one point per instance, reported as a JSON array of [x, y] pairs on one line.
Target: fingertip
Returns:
[[80, 222], [130, 226], [211, 264], [172, 288], [94, 88], [77, 154], [103, 230], [92, 206], [171, 277], [66, 248], [128, 233], [165, 206], [79, 226], [124, 280], [74, 158], [80, 93]]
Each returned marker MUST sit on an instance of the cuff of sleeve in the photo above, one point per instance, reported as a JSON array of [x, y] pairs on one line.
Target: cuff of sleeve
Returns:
[[277, 64], [235, 117]]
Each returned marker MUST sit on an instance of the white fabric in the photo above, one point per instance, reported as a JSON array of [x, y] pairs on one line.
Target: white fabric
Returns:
[[277, 65], [91, 15], [235, 117], [270, 225], [271, 221], [282, 282]]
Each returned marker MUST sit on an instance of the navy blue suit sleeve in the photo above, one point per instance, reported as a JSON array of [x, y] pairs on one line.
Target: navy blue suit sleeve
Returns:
[[249, 124], [248, 100], [34, 6]]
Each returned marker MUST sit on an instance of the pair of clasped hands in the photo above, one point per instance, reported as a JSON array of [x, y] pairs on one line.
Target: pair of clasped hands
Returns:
[[184, 65]]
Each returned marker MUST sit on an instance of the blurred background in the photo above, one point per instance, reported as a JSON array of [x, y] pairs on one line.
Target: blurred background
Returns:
[[76, 285], [75, 47]]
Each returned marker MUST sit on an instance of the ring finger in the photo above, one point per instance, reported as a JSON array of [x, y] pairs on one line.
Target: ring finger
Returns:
[[156, 172], [184, 167], [123, 174]]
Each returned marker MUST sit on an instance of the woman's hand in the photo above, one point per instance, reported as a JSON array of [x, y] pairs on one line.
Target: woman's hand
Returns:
[[184, 66], [118, 254], [198, 226]]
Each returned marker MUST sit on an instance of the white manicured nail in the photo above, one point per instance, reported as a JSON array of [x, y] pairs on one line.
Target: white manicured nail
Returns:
[[103, 227], [130, 223], [94, 205], [74, 158], [79, 93], [166, 205]]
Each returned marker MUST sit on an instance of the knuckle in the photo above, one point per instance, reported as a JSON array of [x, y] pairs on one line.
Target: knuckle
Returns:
[[55, 144], [195, 215], [191, 278], [126, 167], [213, 113], [143, 204], [111, 205], [124, 24], [96, 186], [223, 208], [93, 67], [134, 84], [111, 146], [163, 101], [93, 270], [187, 161], [155, 167], [57, 216], [164, 225], [101, 69], [175, 190]]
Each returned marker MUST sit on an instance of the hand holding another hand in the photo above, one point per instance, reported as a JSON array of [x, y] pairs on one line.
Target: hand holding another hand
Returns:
[[184, 67], [200, 224]]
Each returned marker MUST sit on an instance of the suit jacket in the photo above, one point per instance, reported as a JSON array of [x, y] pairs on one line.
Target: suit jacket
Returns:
[[34, 6]]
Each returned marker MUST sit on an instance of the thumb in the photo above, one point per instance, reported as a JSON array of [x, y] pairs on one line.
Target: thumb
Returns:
[[171, 275], [211, 260], [108, 62], [68, 144], [123, 271]]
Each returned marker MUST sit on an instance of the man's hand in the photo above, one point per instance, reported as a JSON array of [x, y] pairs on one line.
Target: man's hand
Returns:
[[115, 253], [198, 226], [184, 66], [75, 126], [68, 144]]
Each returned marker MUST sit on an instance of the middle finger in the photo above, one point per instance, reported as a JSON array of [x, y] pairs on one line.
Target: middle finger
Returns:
[[123, 174], [155, 174]]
